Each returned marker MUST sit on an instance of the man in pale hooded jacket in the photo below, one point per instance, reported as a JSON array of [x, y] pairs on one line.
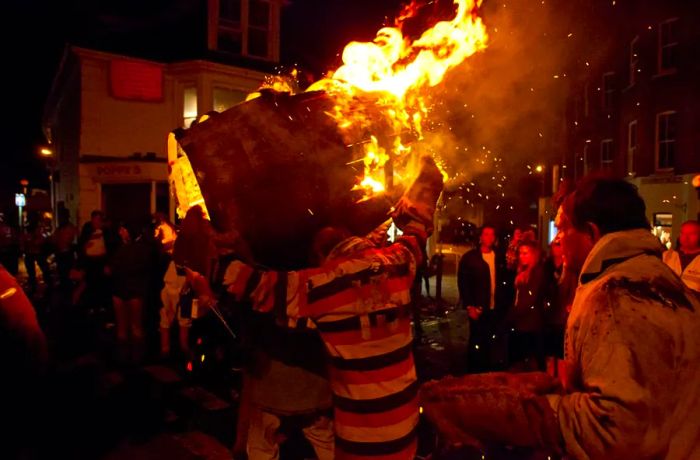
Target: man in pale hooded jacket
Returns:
[[632, 387]]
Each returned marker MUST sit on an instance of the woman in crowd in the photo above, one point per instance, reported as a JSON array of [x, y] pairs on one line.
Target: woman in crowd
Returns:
[[526, 319], [130, 269], [562, 285]]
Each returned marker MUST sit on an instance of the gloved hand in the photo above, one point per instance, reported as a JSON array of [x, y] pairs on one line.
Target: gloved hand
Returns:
[[415, 210]]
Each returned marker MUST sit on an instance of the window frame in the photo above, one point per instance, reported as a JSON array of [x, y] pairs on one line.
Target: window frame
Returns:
[[608, 91], [223, 26], [657, 155], [606, 162], [184, 118], [634, 61], [632, 149], [661, 70], [266, 29]]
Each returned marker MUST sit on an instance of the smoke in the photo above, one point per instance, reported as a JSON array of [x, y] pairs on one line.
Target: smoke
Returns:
[[511, 98], [503, 111]]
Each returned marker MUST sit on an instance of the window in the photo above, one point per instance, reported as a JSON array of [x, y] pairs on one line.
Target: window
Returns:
[[230, 36], [631, 146], [663, 228], [244, 28], [224, 98], [668, 46], [608, 90], [634, 60], [230, 12], [665, 140], [258, 28], [606, 153], [189, 112]]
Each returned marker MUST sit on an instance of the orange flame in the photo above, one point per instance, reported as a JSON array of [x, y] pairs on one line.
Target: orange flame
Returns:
[[381, 87]]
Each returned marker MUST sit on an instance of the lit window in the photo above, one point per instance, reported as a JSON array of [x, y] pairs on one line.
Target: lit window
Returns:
[[634, 60], [665, 140], [668, 46], [606, 153], [224, 98], [189, 112], [631, 146], [663, 228]]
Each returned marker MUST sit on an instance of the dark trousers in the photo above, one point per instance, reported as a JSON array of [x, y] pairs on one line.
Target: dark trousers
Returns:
[[479, 357], [64, 264], [97, 293]]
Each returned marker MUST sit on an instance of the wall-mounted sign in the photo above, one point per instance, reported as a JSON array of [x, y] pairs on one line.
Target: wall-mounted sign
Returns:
[[119, 170], [20, 200], [135, 80]]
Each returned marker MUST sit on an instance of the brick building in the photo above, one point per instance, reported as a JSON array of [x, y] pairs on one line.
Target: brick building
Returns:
[[634, 105]]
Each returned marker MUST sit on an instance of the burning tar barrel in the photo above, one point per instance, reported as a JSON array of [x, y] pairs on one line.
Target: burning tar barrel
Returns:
[[275, 170]]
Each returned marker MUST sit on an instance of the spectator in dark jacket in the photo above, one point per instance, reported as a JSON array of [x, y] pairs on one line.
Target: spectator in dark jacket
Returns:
[[63, 240], [478, 278], [95, 246]]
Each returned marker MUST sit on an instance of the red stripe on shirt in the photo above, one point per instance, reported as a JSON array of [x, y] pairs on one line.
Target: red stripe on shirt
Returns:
[[389, 329]]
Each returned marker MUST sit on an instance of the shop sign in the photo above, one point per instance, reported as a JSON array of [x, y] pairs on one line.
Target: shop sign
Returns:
[[118, 170], [20, 200]]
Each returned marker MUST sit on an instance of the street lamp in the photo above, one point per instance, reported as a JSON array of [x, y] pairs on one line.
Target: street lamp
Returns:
[[539, 168], [48, 154]]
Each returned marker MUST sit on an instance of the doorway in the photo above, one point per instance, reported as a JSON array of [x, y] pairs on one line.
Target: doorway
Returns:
[[127, 203]]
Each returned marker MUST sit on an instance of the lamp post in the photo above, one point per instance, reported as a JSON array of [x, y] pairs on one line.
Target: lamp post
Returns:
[[21, 202], [48, 154]]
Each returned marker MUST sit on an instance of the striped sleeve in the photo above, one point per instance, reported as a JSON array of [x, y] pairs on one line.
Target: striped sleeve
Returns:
[[316, 292], [335, 288]]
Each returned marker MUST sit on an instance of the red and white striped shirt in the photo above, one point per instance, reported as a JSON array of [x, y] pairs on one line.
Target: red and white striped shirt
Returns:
[[360, 303]]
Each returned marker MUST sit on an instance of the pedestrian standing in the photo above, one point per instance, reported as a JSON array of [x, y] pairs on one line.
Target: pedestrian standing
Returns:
[[478, 279], [130, 269], [63, 239], [525, 319]]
